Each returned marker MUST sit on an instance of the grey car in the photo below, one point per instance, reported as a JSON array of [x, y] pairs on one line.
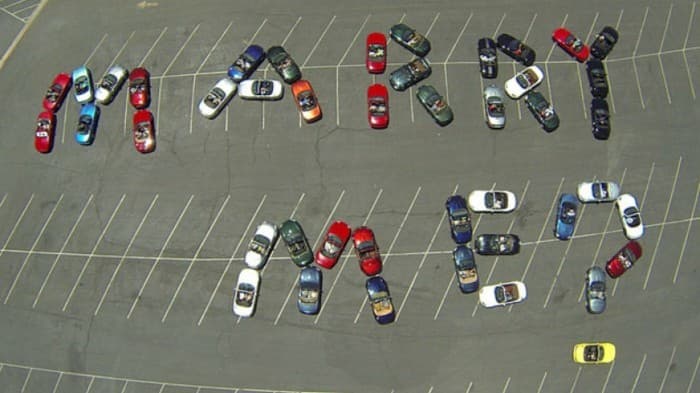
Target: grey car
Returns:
[[410, 74], [435, 104], [595, 290], [309, 296], [494, 107]]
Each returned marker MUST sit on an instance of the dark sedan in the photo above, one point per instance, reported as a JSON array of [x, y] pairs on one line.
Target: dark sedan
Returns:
[[597, 78], [283, 63], [460, 219], [542, 110], [465, 269], [435, 104], [600, 119], [488, 60], [410, 39], [516, 49], [410, 74], [246, 63], [502, 244], [604, 42], [380, 300], [310, 284]]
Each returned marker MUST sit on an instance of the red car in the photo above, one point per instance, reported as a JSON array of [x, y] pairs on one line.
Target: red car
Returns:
[[333, 244], [376, 53], [144, 131], [140, 88], [57, 92], [45, 131], [571, 44], [378, 106], [367, 251], [624, 259]]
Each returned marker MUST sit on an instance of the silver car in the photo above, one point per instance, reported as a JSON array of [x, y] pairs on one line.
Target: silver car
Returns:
[[598, 191], [494, 107], [595, 290]]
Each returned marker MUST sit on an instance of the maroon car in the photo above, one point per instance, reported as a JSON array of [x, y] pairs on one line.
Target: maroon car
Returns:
[[378, 106], [140, 88], [57, 92], [333, 244], [624, 259], [376, 53], [367, 251]]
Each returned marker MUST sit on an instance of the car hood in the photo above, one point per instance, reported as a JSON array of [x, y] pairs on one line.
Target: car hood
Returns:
[[253, 259], [596, 305]]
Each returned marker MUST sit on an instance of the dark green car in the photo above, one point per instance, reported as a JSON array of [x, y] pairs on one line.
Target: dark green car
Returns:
[[435, 104], [409, 74], [410, 39], [542, 110], [283, 63], [297, 244]]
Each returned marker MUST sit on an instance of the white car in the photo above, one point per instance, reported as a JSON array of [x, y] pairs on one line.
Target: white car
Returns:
[[245, 296], [499, 201], [261, 245], [502, 294], [217, 98], [260, 89], [110, 84], [523, 82], [598, 191], [630, 216], [494, 107]]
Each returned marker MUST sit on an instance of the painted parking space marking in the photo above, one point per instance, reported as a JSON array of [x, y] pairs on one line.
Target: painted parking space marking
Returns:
[[573, 384], [692, 378], [546, 63], [99, 44], [607, 377], [337, 71], [578, 69], [687, 234], [447, 59], [668, 368], [318, 41], [685, 48], [17, 222], [661, 47], [639, 373], [544, 377], [410, 89], [634, 55]]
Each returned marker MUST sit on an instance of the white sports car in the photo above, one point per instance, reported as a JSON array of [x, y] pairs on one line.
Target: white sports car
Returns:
[[598, 191], [261, 245], [110, 84], [523, 82], [245, 296], [502, 294], [482, 201], [217, 98], [630, 216], [260, 89]]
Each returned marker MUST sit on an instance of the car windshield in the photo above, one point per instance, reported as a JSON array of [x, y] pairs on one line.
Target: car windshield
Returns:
[[547, 112], [601, 116], [408, 35], [284, 62], [331, 248], [43, 124], [82, 85], [568, 213], [467, 276], [496, 200], [84, 123], [262, 88], [527, 78], [577, 45], [416, 67], [137, 85], [506, 293], [108, 82], [438, 104], [214, 98], [488, 56], [460, 218], [297, 248], [377, 107], [259, 244], [306, 100], [376, 52], [242, 63], [495, 108], [593, 352], [627, 257], [600, 190], [308, 295], [245, 294], [598, 290], [501, 243], [365, 248], [383, 306], [632, 217], [143, 131]]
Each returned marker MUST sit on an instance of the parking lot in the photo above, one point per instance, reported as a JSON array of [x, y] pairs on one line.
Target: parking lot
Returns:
[[117, 268]]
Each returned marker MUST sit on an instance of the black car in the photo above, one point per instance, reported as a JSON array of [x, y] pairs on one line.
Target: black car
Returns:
[[283, 63], [409, 74], [488, 61], [503, 244], [604, 42], [597, 78], [600, 118], [516, 49], [542, 110]]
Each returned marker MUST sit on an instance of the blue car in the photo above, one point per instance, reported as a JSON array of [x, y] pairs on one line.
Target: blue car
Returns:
[[460, 220], [82, 83], [380, 300], [87, 124], [246, 63], [310, 284], [465, 269], [567, 209]]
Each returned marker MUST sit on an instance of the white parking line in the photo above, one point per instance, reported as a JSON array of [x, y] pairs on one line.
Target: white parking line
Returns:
[[403, 16], [114, 60], [313, 247], [573, 385], [267, 66], [685, 46], [469, 388], [668, 368], [391, 246], [447, 87], [607, 377], [634, 54], [160, 255], [201, 65], [607, 71], [58, 382], [230, 260], [517, 102], [661, 46], [60, 252], [578, 69], [646, 189], [160, 82], [318, 41], [546, 63], [661, 230], [89, 387], [498, 27], [87, 61], [695, 371], [148, 53], [687, 234], [348, 253], [544, 377], [639, 373], [14, 227], [31, 250], [410, 89], [26, 380], [92, 253], [505, 387], [123, 258], [337, 71], [126, 382], [422, 261]]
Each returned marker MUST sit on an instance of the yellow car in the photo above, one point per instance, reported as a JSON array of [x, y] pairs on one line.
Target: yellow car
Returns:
[[594, 353]]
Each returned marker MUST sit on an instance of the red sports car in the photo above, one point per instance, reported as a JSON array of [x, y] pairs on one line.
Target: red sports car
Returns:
[[45, 131], [378, 106], [376, 53], [333, 244], [624, 259], [140, 88], [571, 44], [56, 93], [367, 251], [144, 131]]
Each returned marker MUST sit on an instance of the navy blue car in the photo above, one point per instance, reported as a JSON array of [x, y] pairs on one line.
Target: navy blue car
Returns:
[[310, 284], [246, 63], [465, 269], [567, 209], [460, 220], [380, 300]]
